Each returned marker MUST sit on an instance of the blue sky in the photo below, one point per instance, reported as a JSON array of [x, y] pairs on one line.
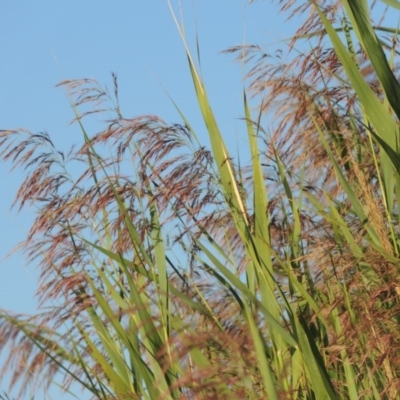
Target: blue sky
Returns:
[[44, 42]]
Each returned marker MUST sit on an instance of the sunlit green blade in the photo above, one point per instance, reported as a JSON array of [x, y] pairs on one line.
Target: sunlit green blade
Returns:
[[314, 364], [143, 272], [265, 370], [296, 231], [355, 202], [380, 118], [261, 220], [359, 15], [120, 385], [237, 283], [161, 268]]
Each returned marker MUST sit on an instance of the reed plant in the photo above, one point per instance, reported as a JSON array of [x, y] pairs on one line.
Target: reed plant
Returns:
[[178, 272]]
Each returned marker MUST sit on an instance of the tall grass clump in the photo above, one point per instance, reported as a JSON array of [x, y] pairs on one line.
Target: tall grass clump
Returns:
[[180, 273]]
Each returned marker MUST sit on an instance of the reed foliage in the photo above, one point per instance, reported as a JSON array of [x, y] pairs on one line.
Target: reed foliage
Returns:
[[180, 273]]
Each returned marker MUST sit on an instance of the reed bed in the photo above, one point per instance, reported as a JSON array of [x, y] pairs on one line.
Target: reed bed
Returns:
[[181, 273]]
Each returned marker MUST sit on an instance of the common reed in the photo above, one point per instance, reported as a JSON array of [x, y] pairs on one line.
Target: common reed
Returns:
[[179, 272]]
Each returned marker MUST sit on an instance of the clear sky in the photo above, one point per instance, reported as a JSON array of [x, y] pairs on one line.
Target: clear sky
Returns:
[[43, 42]]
